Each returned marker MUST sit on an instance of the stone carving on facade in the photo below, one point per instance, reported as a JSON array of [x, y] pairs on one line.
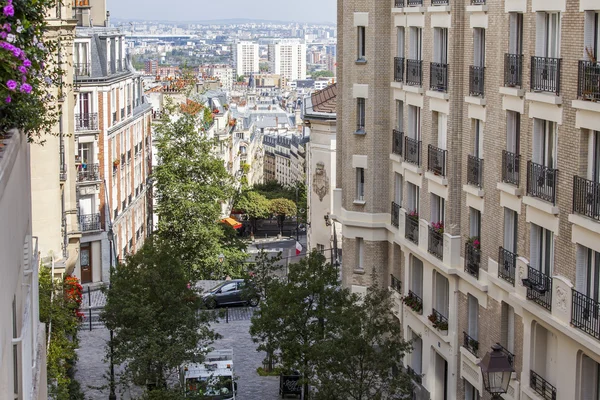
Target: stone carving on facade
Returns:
[[561, 299], [521, 273], [320, 181]]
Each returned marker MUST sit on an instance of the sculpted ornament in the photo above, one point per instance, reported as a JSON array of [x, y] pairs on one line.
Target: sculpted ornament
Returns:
[[320, 181], [561, 299], [521, 273]]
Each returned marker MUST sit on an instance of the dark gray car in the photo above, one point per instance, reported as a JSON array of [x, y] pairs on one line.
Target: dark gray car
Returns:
[[229, 293]]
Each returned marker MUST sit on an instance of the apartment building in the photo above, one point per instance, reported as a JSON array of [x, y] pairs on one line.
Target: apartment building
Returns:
[[468, 175], [113, 135], [246, 58], [284, 157], [287, 57]]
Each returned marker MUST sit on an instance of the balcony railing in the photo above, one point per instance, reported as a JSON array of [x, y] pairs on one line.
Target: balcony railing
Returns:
[[476, 80], [436, 243], [513, 70], [415, 3], [511, 163], [588, 81], [472, 259], [414, 302], [436, 160], [539, 287], [439, 321], [585, 314], [395, 283], [399, 68], [395, 214], [507, 262], [439, 2], [586, 197], [414, 70], [474, 171], [90, 222], [88, 172], [114, 117], [411, 228], [438, 73], [477, 2], [86, 122], [81, 69], [412, 151], [541, 181], [542, 386], [545, 74], [398, 3], [509, 355], [397, 139], [470, 344]]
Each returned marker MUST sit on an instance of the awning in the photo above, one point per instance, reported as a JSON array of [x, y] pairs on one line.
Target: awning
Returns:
[[232, 222]]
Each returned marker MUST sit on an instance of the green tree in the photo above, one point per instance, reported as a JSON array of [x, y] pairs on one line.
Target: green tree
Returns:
[[319, 74], [241, 78], [191, 186], [255, 206], [154, 314], [281, 208]]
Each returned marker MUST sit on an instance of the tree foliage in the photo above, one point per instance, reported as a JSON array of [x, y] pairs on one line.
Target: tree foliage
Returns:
[[319, 74], [154, 314], [281, 208], [254, 205]]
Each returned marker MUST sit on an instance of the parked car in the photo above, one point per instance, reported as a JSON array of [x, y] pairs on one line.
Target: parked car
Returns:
[[228, 293]]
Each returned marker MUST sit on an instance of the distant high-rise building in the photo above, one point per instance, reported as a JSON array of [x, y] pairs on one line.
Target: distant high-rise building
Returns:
[[245, 58], [288, 58], [151, 67]]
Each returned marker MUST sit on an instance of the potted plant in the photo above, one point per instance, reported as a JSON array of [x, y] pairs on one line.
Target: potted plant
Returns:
[[414, 214], [413, 303], [438, 227], [474, 242], [437, 323]]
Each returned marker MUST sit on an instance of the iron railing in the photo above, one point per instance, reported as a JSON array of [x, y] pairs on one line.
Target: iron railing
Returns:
[[81, 69], [586, 197], [470, 344], [541, 181], [399, 69], [414, 302], [475, 171], [397, 139], [411, 228], [412, 151], [545, 74], [414, 375], [588, 81], [477, 2], [585, 314], [476, 80], [441, 321], [511, 163], [395, 214], [86, 122], [542, 386], [436, 243], [436, 160], [509, 355], [507, 262], [414, 71], [90, 222], [398, 3], [438, 75], [395, 283], [513, 70], [439, 2], [539, 287], [414, 3], [472, 259], [88, 172]]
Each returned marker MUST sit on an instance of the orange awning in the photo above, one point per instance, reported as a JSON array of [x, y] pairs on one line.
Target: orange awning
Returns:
[[232, 222]]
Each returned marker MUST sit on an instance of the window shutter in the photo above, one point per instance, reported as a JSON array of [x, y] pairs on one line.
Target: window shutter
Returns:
[[581, 278], [400, 115], [513, 33], [412, 51], [540, 34], [589, 378], [510, 132], [509, 229], [473, 315], [476, 47], [534, 247], [417, 276], [400, 38], [417, 355], [442, 130], [588, 33]]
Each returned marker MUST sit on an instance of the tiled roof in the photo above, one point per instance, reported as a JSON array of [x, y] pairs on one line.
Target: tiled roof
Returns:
[[325, 100]]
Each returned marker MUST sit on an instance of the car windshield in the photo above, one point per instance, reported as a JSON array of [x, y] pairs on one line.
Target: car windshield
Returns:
[[219, 286]]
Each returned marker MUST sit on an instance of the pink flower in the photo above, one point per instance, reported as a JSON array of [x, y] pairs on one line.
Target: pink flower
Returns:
[[26, 88], [8, 99], [26, 63], [11, 85], [475, 243], [6, 27], [9, 10], [3, 35], [22, 70]]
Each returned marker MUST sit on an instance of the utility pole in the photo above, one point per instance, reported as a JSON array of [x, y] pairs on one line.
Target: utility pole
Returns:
[[297, 228]]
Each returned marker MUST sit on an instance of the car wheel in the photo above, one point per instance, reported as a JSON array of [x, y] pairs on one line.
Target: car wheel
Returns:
[[253, 302], [211, 303]]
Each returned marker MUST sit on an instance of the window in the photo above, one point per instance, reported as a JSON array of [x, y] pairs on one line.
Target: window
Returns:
[[479, 47], [470, 392], [438, 208], [442, 131], [478, 138], [400, 115], [86, 154], [513, 131], [416, 278], [360, 115], [542, 250], [400, 41], [591, 38], [361, 31], [360, 184], [416, 356], [515, 35], [472, 317], [508, 327], [398, 189], [230, 287], [588, 272], [590, 379], [544, 143], [413, 197], [510, 230], [360, 253], [547, 39], [441, 293], [440, 45], [321, 248], [414, 122], [416, 40], [594, 156], [474, 222]]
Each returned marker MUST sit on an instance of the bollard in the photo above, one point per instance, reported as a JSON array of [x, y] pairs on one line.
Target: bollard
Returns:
[[89, 297], [227, 315], [90, 317]]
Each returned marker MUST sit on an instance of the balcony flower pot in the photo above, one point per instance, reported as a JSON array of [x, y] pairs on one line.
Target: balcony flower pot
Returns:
[[413, 303], [414, 215], [438, 324], [474, 241], [438, 227]]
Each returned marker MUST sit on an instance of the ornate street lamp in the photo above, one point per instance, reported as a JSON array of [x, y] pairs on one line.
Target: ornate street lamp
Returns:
[[496, 370], [111, 237]]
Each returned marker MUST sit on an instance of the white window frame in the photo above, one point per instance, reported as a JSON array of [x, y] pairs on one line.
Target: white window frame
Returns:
[[545, 142], [515, 41], [438, 208], [479, 47], [416, 43], [416, 276], [361, 35], [441, 294], [510, 230], [542, 250], [440, 45]]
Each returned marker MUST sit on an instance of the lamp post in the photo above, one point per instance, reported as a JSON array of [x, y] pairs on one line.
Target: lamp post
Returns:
[[112, 396], [496, 370], [221, 258]]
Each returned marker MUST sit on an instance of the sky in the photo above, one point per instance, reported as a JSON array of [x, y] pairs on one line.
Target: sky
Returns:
[[202, 10]]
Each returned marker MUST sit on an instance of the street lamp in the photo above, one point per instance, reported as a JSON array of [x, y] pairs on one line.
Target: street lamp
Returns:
[[111, 237], [221, 258], [496, 370]]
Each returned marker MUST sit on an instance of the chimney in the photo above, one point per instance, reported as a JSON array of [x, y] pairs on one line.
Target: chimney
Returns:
[[107, 21]]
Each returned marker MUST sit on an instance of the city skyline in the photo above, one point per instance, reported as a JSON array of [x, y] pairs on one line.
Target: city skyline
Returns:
[[307, 11]]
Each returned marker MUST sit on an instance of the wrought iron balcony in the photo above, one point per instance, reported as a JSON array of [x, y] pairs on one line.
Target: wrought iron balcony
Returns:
[[412, 151], [395, 283], [398, 3], [545, 74], [585, 314], [418, 378], [586, 197], [541, 181], [475, 171], [88, 172], [513, 70], [86, 122], [395, 214], [90, 222], [477, 2], [114, 117], [539, 287], [476, 80], [397, 139], [438, 74], [542, 386], [439, 2], [414, 71], [507, 262], [439, 321], [414, 302], [82, 69], [399, 68], [415, 3], [472, 259], [511, 163], [470, 344], [411, 228], [436, 160], [436, 243], [588, 81]]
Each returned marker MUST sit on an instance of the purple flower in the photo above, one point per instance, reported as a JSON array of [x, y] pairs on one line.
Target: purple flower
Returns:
[[6, 27], [11, 85], [22, 70], [26, 88], [3, 35], [8, 99], [17, 52], [9, 10], [26, 63]]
